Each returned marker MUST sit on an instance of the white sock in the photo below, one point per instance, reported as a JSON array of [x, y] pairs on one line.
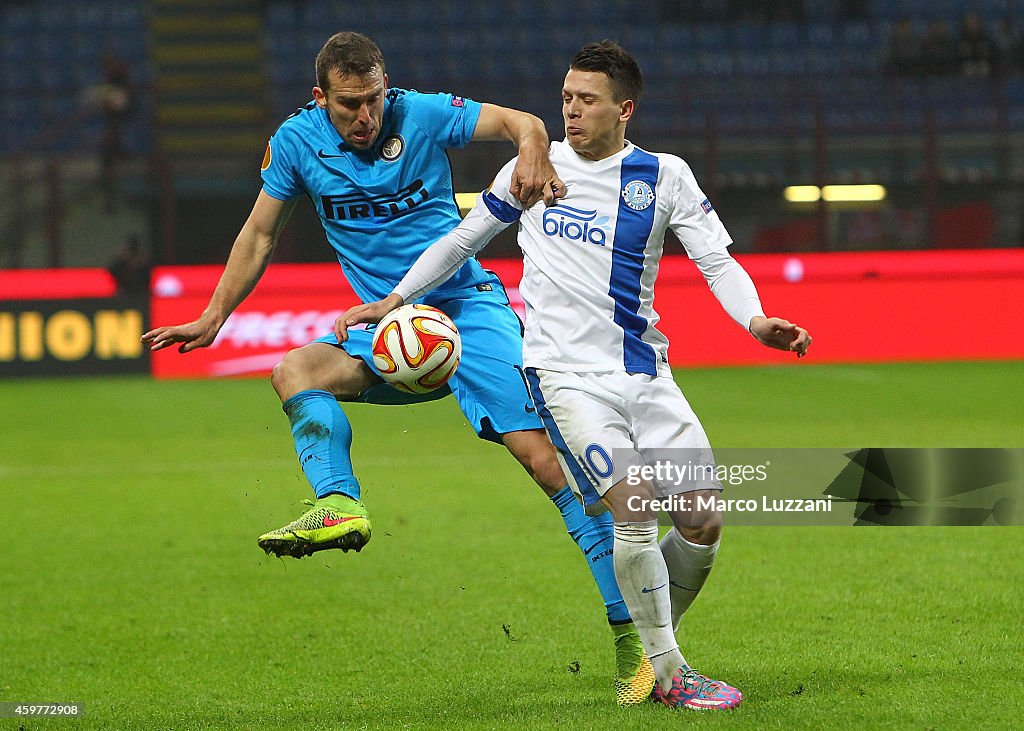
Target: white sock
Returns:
[[688, 567], [643, 580]]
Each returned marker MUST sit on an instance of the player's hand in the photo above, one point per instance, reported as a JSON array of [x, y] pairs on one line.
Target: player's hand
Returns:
[[780, 334], [534, 178], [370, 312], [197, 334]]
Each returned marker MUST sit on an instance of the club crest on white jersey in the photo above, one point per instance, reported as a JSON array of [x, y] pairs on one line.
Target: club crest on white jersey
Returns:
[[637, 194]]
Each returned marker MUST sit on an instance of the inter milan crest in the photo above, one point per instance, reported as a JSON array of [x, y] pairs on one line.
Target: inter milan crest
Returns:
[[392, 148], [637, 194]]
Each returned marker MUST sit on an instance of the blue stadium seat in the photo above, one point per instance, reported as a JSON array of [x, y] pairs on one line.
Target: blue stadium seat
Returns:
[[57, 16], [281, 16], [748, 36], [785, 62], [673, 35], [1013, 90], [17, 50], [715, 63], [821, 35], [784, 36], [712, 36], [126, 17], [858, 34], [637, 39], [91, 18], [753, 63], [821, 61], [18, 20]]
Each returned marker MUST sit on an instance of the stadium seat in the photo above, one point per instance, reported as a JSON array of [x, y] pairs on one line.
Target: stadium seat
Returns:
[[712, 37], [784, 35]]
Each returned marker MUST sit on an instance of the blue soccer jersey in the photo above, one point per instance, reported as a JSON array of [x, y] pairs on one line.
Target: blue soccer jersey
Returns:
[[365, 198]]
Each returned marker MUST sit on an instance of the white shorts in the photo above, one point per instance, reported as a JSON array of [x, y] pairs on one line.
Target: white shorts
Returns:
[[607, 425]]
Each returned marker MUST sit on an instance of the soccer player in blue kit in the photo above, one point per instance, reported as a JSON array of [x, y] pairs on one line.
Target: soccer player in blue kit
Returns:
[[372, 160]]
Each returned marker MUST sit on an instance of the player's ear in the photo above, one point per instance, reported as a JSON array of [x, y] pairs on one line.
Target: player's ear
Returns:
[[626, 110], [319, 96], [385, 81]]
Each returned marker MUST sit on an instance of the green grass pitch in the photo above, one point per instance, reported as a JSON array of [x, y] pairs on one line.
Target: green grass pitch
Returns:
[[130, 579]]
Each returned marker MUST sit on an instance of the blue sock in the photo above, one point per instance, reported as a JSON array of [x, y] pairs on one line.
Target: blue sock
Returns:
[[323, 438], [593, 534]]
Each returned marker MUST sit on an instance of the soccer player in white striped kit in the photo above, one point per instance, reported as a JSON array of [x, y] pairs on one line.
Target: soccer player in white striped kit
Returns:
[[597, 366]]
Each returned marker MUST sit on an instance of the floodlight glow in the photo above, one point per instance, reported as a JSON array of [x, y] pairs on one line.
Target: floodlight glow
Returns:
[[853, 193], [802, 193], [834, 193]]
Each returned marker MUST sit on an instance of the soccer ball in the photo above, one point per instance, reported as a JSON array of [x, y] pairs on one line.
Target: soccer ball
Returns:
[[416, 348]]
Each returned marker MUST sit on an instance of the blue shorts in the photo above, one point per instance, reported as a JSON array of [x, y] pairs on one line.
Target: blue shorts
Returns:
[[489, 383]]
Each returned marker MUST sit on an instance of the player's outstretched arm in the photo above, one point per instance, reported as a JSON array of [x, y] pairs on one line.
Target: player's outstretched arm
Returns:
[[774, 332], [434, 266], [534, 176], [250, 255], [735, 291], [369, 312]]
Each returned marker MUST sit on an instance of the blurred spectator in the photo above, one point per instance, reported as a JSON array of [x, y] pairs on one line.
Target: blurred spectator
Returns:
[[114, 98], [903, 56], [938, 50], [130, 268], [1009, 46], [975, 49]]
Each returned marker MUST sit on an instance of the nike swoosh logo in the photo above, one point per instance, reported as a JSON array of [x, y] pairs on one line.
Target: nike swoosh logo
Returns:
[[325, 156], [599, 543], [645, 590], [330, 522]]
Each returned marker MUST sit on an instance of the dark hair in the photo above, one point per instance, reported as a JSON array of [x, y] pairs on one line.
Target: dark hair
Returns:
[[347, 53], [612, 60]]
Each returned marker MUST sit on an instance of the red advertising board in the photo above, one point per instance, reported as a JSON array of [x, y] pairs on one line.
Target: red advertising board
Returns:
[[860, 307], [292, 305], [53, 284]]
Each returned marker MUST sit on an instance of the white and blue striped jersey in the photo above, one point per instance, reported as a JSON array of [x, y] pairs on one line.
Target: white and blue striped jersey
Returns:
[[590, 262]]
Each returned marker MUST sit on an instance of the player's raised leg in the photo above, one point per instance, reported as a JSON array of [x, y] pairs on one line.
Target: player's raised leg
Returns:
[[310, 381]]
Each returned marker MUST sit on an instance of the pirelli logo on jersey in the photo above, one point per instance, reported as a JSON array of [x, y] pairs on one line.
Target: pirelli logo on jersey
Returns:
[[357, 206]]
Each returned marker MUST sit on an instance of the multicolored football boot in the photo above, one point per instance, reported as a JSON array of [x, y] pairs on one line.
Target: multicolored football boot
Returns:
[[335, 521], [634, 675], [692, 690]]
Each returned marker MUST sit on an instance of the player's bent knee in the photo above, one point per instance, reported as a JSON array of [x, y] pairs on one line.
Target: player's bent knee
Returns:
[[538, 457], [321, 367], [703, 527], [631, 503], [282, 379], [547, 471]]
